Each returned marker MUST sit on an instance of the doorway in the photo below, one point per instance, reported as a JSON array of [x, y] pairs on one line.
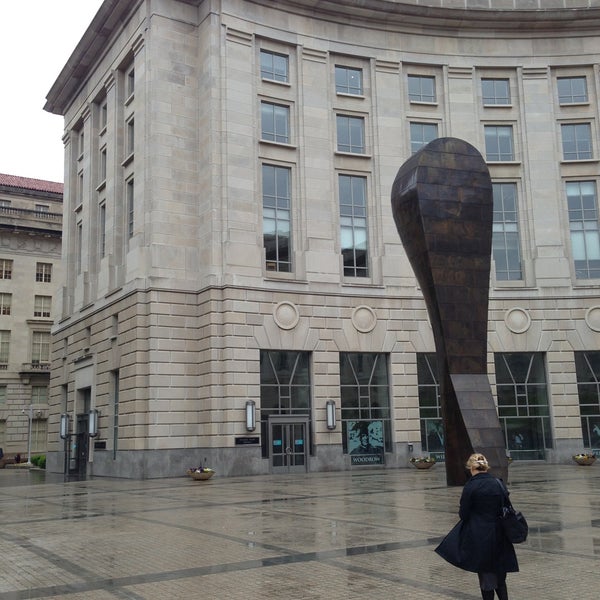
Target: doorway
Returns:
[[288, 449]]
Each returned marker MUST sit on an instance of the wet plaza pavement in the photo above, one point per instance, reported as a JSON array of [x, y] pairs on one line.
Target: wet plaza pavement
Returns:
[[361, 534]]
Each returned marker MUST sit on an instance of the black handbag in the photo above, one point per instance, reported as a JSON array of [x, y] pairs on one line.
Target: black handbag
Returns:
[[513, 522]]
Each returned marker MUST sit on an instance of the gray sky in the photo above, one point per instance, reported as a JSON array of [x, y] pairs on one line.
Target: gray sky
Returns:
[[36, 39]]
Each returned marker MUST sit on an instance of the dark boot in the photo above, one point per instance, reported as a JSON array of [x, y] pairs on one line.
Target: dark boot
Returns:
[[487, 594]]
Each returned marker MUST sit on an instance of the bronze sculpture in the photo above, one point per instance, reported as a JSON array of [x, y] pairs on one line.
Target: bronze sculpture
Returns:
[[443, 208]]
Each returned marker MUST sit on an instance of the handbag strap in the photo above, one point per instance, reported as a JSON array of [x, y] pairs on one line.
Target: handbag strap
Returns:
[[507, 501]]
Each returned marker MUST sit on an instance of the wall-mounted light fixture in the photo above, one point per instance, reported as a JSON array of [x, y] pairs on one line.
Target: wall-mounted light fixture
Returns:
[[93, 422], [410, 447], [250, 415], [64, 426], [330, 409]]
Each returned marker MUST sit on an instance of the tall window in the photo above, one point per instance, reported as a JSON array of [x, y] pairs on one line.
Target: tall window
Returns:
[[353, 225], [6, 268], [42, 306], [103, 115], [495, 91], [130, 82], [583, 223], [587, 367], [421, 134], [276, 185], [421, 88], [39, 394], [40, 347], [275, 122], [430, 409], [577, 141], [5, 303], [130, 206], [350, 134], [79, 245], [130, 136], [43, 272], [274, 66], [572, 90], [348, 80], [102, 237], [523, 403], [499, 143], [505, 238], [2, 395], [4, 346], [116, 390], [102, 166], [284, 387], [365, 403]]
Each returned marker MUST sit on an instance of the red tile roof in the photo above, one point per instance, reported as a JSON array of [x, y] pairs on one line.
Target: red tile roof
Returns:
[[27, 183]]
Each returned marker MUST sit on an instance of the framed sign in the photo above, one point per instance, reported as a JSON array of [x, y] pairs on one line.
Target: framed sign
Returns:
[[365, 442]]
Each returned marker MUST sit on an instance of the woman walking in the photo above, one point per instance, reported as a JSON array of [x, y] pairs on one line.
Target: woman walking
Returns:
[[477, 543]]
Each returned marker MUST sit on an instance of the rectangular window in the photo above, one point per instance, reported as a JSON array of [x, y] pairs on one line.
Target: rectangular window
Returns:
[[79, 246], [276, 189], [40, 347], [421, 134], [43, 272], [348, 80], [39, 394], [5, 304], [274, 66], [495, 91], [350, 134], [421, 89], [115, 381], [42, 306], [275, 122], [2, 395], [4, 346], [103, 116], [102, 166], [430, 409], [572, 90], [353, 225], [577, 141], [102, 236], [6, 268], [365, 406], [499, 143], [505, 237], [130, 85], [523, 403], [80, 143], [130, 207], [582, 202], [130, 136], [587, 367]]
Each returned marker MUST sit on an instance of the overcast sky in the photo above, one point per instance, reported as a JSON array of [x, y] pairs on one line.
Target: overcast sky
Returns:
[[36, 39]]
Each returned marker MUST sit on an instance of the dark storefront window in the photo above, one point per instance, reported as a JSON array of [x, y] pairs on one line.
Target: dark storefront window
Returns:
[[587, 365]]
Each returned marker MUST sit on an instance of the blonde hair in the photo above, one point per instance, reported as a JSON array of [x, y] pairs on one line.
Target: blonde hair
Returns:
[[478, 462]]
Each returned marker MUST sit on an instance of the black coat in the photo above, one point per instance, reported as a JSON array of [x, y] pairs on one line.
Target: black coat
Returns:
[[477, 543]]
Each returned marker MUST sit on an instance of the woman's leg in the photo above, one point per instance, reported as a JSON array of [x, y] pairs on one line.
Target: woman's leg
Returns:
[[501, 590], [487, 583]]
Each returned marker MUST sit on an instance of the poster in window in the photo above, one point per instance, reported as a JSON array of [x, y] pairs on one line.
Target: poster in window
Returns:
[[365, 442]]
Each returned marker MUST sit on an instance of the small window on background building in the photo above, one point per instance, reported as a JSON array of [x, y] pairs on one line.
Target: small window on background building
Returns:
[[42, 306], [39, 394], [102, 168], [2, 395], [275, 122], [4, 346], [130, 82], [43, 272], [572, 90], [499, 143], [40, 347], [421, 134], [5, 303], [350, 134], [495, 91], [421, 89], [103, 116], [348, 80], [6, 267], [130, 136], [577, 141], [274, 66], [130, 207]]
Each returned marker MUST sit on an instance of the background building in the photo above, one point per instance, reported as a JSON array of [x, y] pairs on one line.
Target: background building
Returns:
[[230, 251], [30, 253]]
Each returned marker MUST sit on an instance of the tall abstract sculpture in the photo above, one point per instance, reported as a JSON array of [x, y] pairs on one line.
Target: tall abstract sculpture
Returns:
[[442, 205]]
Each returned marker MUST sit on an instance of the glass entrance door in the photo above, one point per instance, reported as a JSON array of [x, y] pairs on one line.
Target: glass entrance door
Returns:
[[288, 446]]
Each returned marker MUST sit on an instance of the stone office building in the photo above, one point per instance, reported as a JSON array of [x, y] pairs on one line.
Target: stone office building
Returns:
[[236, 293], [30, 266]]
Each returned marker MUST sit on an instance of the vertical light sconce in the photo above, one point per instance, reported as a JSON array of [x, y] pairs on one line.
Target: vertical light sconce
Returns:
[[330, 408], [93, 422], [250, 415], [64, 426]]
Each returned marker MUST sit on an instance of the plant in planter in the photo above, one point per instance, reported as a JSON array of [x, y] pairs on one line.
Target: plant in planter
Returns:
[[422, 462], [584, 458], [200, 473]]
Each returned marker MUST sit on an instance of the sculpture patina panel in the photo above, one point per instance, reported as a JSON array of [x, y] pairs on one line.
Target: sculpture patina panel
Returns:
[[443, 208]]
